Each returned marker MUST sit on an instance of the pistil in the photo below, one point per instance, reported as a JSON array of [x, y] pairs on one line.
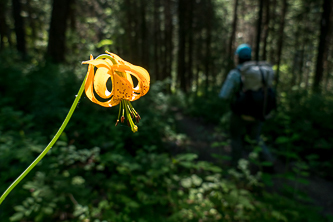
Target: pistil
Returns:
[[129, 112]]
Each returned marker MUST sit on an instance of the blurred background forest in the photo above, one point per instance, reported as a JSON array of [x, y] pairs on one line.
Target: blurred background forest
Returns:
[[175, 168]]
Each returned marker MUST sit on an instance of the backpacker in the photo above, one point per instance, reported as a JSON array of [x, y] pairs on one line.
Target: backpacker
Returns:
[[256, 97]]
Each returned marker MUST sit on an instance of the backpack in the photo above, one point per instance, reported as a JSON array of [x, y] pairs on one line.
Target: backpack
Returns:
[[256, 96]]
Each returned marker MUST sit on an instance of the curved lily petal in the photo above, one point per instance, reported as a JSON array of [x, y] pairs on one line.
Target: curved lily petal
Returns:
[[101, 77], [140, 73], [89, 89], [98, 63]]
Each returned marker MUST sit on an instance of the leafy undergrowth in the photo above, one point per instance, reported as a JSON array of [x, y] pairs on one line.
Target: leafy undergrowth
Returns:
[[98, 172]]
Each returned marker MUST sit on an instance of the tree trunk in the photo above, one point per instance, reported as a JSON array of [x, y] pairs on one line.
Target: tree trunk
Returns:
[[280, 40], [57, 35], [3, 25], [261, 5], [208, 43], [296, 57], [128, 38], [32, 24], [266, 29], [327, 73], [168, 40], [329, 60], [233, 31], [323, 43], [157, 39], [301, 66], [190, 45], [181, 69], [272, 30], [72, 15], [144, 42], [19, 27]]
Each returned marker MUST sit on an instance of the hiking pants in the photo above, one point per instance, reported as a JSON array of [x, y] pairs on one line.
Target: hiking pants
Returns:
[[238, 129]]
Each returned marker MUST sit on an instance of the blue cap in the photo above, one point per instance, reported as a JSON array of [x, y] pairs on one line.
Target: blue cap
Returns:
[[243, 51]]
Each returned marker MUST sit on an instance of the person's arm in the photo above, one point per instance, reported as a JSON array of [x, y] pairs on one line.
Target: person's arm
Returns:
[[230, 85]]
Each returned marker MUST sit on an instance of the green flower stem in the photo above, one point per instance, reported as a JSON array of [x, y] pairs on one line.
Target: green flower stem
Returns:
[[49, 146]]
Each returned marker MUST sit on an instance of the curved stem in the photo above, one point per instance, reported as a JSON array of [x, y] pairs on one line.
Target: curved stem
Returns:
[[49, 146]]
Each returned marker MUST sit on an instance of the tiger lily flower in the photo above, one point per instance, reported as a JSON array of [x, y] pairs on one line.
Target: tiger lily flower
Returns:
[[123, 91]]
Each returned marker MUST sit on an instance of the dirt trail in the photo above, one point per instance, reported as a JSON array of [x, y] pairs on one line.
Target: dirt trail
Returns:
[[201, 136]]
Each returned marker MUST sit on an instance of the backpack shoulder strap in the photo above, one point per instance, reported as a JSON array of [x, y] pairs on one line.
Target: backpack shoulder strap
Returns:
[[263, 80], [240, 79]]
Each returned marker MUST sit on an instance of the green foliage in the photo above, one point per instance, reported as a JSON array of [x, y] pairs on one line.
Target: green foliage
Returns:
[[302, 132], [99, 172]]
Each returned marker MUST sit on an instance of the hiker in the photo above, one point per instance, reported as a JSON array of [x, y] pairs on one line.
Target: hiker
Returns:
[[247, 116]]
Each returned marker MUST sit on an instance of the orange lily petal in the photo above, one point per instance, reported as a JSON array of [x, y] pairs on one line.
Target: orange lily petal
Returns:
[[101, 77], [123, 88], [99, 63], [89, 89], [140, 73]]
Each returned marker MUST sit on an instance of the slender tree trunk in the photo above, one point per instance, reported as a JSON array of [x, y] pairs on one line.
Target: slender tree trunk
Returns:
[[57, 35], [19, 27], [272, 30], [128, 30], [266, 29], [233, 31], [72, 15], [190, 45], [301, 66], [199, 65], [137, 29], [280, 40], [168, 39], [322, 47], [296, 57], [261, 5], [182, 74], [3, 24], [329, 60], [32, 23], [144, 41], [327, 73], [208, 44], [157, 39]]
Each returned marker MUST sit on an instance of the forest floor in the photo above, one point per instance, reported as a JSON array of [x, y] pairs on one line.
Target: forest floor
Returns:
[[199, 137]]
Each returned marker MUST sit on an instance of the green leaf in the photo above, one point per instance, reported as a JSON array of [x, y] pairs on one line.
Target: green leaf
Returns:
[[19, 208], [186, 182], [279, 216], [48, 210], [16, 217], [266, 163], [222, 157], [282, 139], [104, 42], [186, 156], [196, 180]]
